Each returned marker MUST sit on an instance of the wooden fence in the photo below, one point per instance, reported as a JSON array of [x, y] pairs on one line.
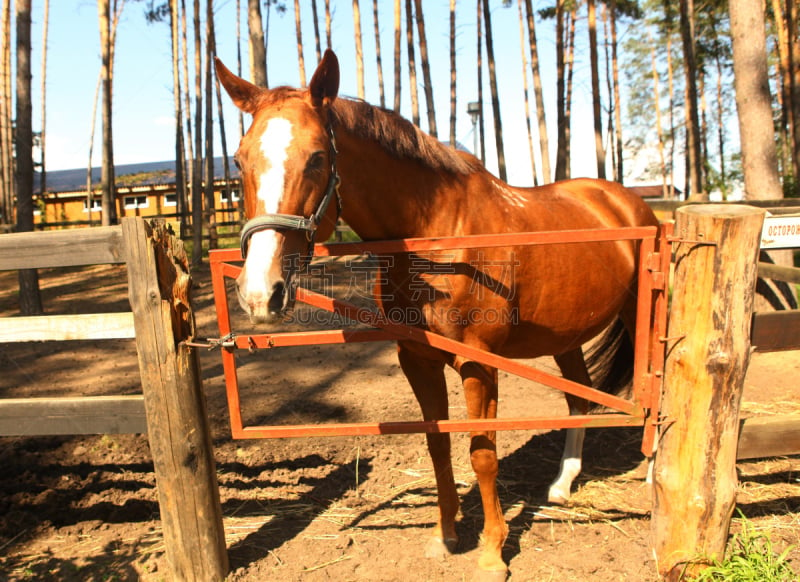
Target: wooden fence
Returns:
[[172, 407], [67, 415], [711, 332]]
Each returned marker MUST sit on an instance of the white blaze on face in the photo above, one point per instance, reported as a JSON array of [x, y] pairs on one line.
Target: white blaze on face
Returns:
[[275, 143]]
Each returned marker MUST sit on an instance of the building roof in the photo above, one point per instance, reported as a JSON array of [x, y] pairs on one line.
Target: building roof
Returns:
[[144, 174]]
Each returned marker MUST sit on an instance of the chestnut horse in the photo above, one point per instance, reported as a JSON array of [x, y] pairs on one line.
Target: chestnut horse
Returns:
[[310, 156]]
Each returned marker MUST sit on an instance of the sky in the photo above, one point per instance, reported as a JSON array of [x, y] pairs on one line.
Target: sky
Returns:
[[143, 103]]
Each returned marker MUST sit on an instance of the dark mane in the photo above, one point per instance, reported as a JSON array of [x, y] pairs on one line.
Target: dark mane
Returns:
[[398, 136]]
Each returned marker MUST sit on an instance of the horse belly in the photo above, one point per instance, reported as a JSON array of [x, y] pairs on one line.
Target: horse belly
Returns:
[[568, 294]]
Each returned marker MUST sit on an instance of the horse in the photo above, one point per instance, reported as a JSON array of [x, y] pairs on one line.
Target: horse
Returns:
[[310, 157]]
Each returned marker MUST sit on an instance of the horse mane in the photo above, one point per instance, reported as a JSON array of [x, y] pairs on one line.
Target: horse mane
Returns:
[[395, 134], [399, 137]]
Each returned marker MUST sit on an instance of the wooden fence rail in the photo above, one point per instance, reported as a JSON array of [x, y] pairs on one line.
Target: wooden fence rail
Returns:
[[66, 415]]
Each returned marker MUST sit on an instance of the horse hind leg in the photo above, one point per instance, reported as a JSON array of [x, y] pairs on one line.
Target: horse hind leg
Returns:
[[573, 367], [430, 388]]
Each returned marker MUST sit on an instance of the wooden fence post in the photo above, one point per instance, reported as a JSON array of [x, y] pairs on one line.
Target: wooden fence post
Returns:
[[708, 350], [177, 422]]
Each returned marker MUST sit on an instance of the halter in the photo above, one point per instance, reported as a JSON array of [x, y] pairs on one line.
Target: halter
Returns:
[[296, 222]]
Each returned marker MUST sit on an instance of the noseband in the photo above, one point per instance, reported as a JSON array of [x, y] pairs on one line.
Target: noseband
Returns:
[[295, 222]]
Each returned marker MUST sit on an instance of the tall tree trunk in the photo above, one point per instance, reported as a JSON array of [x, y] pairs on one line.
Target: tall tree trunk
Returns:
[[397, 44], [328, 23], [453, 101], [427, 83], [239, 113], [479, 63], [672, 131], [594, 63], [197, 166], [659, 124], [180, 154], [301, 62], [753, 101], [258, 50], [89, 178], [226, 169], [359, 50], [723, 175], [210, 206], [268, 5], [793, 27], [498, 123], [544, 145], [619, 170], [6, 141], [43, 91], [317, 40], [693, 141], [107, 168], [611, 130], [565, 31], [561, 98], [526, 94], [412, 63], [784, 81], [570, 56], [379, 62], [703, 114], [187, 107], [30, 302]]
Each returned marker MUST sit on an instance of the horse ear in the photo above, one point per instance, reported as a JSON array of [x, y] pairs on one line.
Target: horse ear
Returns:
[[324, 84], [244, 94]]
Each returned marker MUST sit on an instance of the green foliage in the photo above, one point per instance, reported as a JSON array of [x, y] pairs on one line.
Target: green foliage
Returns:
[[656, 36], [791, 188], [750, 558]]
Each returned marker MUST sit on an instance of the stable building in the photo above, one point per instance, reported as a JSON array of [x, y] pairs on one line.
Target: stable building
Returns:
[[146, 189]]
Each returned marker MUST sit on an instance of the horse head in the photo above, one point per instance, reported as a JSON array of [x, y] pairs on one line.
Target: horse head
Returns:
[[287, 164]]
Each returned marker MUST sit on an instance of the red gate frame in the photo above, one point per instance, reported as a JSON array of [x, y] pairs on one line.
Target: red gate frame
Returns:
[[642, 409]]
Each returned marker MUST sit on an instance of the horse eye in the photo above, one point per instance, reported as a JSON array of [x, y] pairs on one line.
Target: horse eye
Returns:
[[315, 162]]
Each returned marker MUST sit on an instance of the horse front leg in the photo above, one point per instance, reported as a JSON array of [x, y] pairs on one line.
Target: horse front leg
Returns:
[[430, 388], [480, 391]]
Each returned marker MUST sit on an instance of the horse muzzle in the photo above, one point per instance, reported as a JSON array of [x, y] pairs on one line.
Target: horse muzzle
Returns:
[[268, 308]]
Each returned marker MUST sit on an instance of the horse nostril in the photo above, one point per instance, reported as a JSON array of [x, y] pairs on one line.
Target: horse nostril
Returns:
[[275, 303]]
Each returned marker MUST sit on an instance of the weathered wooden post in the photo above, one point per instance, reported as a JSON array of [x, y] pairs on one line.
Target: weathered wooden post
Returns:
[[708, 351], [177, 422]]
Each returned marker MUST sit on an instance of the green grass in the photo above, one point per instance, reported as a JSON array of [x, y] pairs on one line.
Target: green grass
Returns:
[[750, 558]]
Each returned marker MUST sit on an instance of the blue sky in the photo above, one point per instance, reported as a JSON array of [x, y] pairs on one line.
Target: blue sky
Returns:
[[143, 120]]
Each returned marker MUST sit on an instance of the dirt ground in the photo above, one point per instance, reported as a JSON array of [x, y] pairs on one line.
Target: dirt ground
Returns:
[[348, 508]]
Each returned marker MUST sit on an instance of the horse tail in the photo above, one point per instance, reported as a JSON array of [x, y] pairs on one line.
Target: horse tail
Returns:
[[610, 359]]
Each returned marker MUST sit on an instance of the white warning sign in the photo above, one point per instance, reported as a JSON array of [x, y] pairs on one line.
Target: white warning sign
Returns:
[[781, 232]]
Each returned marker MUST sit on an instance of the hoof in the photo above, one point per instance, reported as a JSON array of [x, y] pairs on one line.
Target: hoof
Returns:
[[439, 549], [490, 575], [557, 497]]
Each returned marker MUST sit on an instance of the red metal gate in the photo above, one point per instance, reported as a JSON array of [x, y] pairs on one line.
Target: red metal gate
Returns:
[[641, 409]]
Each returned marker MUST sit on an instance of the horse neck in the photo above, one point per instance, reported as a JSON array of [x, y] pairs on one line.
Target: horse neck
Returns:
[[384, 197]]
